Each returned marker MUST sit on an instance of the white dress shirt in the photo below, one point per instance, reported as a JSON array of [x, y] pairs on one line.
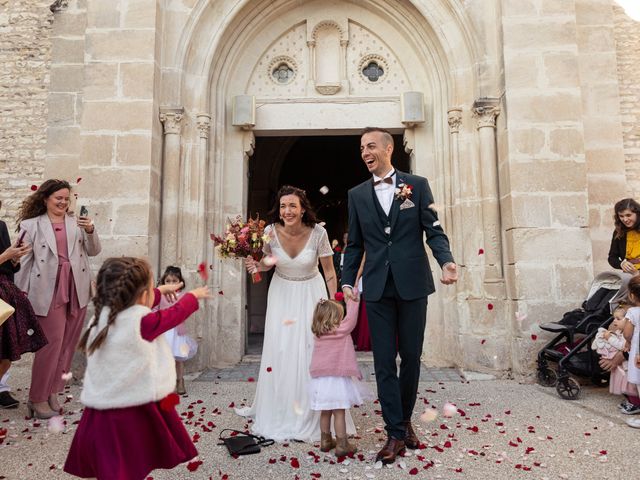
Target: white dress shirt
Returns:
[[385, 191]]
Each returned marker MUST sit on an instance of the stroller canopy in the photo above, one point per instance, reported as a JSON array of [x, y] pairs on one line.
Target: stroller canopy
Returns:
[[611, 280]]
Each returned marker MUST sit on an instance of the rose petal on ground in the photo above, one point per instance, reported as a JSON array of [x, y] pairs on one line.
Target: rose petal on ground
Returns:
[[193, 466], [295, 463], [413, 471], [534, 337]]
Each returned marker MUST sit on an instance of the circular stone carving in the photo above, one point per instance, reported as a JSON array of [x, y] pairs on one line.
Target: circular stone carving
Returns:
[[282, 70], [373, 68]]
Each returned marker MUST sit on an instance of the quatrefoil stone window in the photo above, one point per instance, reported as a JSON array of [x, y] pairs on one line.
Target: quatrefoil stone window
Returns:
[[373, 68], [282, 70]]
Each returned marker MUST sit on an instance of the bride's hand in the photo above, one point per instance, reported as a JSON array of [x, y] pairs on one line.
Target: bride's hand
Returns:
[[251, 265]]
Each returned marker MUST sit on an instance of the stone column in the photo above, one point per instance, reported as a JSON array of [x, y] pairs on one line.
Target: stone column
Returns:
[[171, 119], [455, 120], [203, 123], [486, 110]]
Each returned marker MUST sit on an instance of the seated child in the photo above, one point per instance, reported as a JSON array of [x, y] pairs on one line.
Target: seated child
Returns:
[[610, 341]]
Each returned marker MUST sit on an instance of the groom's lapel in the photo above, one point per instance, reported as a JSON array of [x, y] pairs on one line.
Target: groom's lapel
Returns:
[[394, 213]]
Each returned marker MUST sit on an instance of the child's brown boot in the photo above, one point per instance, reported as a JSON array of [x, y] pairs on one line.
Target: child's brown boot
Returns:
[[343, 447], [326, 442]]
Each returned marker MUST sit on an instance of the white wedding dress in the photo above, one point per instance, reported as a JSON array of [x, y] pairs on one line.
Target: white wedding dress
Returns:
[[281, 406]]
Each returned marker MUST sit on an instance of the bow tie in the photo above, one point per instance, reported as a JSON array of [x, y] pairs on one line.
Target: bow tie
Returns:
[[388, 180]]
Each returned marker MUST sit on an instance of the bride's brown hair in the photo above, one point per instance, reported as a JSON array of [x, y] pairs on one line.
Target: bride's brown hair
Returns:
[[309, 217]]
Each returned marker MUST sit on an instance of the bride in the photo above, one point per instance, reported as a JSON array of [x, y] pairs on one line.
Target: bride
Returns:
[[280, 408]]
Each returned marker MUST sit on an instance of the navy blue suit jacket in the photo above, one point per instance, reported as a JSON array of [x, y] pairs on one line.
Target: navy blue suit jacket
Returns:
[[402, 250]]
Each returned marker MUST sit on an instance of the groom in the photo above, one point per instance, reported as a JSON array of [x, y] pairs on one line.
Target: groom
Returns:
[[388, 215]]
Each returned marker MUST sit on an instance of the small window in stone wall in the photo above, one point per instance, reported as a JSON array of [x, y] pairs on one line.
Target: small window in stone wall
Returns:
[[282, 70], [373, 68]]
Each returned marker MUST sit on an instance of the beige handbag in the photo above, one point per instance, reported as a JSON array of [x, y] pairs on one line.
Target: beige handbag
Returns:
[[6, 311]]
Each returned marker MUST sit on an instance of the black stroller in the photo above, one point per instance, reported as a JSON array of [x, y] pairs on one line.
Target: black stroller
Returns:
[[571, 348]]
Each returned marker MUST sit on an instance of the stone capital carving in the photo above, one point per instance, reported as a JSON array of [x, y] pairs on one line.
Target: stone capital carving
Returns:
[[486, 110], [171, 118], [454, 118], [203, 123]]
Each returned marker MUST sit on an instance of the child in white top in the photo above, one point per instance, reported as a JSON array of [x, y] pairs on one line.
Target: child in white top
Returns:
[[632, 334]]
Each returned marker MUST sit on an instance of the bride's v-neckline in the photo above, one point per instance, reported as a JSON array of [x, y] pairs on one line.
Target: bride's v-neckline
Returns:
[[306, 244]]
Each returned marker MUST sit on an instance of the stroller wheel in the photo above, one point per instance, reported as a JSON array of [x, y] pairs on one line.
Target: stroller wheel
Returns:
[[568, 388], [547, 377]]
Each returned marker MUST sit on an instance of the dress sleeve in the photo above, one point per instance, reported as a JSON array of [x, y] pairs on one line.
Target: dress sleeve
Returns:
[[266, 247], [324, 246], [156, 323]]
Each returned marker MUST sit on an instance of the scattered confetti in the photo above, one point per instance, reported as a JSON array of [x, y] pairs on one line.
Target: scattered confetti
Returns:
[[490, 306], [297, 409], [56, 424], [324, 189], [429, 415], [288, 322], [67, 376], [30, 332], [483, 341], [270, 260], [339, 296], [251, 379], [202, 271], [481, 251], [449, 410], [34, 188], [79, 179]]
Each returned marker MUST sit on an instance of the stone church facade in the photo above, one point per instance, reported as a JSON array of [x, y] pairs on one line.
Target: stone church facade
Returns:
[[523, 114]]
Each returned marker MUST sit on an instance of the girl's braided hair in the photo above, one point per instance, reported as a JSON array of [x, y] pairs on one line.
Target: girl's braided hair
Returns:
[[120, 283]]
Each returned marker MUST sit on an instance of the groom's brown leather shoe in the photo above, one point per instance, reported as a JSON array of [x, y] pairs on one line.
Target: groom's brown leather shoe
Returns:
[[391, 450], [411, 439]]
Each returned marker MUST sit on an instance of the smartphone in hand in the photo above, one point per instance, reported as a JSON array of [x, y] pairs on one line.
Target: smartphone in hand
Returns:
[[83, 211], [21, 238]]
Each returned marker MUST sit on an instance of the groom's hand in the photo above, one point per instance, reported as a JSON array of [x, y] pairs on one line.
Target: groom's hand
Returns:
[[349, 294], [449, 273]]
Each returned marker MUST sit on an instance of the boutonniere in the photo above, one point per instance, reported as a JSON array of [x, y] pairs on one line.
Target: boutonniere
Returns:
[[404, 191]]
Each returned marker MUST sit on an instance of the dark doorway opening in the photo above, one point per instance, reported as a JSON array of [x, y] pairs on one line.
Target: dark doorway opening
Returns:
[[326, 167]]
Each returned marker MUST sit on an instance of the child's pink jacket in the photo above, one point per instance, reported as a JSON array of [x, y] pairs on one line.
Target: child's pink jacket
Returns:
[[333, 354]]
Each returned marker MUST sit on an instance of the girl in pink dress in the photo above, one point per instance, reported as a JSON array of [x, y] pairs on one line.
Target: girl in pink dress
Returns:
[[130, 426], [335, 377]]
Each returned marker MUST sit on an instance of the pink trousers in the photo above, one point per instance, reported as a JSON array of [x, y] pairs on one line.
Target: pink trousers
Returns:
[[62, 329]]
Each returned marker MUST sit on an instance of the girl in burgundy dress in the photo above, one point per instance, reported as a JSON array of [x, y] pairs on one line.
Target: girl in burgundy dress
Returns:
[[130, 426]]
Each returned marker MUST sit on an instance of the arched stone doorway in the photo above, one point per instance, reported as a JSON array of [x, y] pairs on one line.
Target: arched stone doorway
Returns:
[[321, 68], [326, 167]]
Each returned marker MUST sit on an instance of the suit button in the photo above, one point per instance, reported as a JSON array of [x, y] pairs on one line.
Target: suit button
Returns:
[[42, 261], [83, 269], [386, 262], [38, 275], [389, 242], [43, 246]]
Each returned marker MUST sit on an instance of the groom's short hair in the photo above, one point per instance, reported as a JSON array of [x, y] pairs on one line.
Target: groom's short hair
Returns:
[[387, 138]]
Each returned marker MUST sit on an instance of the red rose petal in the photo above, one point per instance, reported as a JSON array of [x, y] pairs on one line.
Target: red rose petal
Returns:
[[534, 337], [490, 306], [339, 296], [251, 379], [482, 342], [193, 466], [295, 463], [169, 402], [79, 179], [232, 404], [413, 471], [480, 251], [34, 188], [220, 292], [269, 369], [202, 271]]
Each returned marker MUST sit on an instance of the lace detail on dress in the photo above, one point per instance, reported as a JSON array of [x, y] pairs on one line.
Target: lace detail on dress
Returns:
[[324, 246]]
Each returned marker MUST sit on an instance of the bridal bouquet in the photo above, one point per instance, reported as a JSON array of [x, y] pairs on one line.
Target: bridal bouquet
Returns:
[[242, 239]]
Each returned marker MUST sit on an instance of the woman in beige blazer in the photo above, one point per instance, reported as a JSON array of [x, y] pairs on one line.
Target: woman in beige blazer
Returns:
[[57, 278]]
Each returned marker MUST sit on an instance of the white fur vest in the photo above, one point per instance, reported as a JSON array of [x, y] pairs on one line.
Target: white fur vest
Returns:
[[127, 370]]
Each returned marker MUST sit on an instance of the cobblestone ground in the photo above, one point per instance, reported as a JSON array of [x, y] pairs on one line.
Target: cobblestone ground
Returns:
[[501, 429]]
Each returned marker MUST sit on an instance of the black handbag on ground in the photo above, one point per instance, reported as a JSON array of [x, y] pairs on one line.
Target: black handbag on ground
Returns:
[[243, 443]]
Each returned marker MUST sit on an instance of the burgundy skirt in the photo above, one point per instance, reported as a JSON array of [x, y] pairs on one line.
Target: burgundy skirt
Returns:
[[21, 332], [128, 443]]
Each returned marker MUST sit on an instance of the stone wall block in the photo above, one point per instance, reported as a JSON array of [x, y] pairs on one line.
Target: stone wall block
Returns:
[[557, 7], [125, 46], [561, 70], [133, 150], [101, 14], [526, 211], [597, 68], [98, 150], [549, 108], [139, 14], [61, 109], [120, 183], [567, 142], [520, 8], [113, 246], [100, 81], [529, 281], [602, 131], [69, 24], [63, 140], [117, 116], [522, 71], [606, 190], [595, 39], [66, 78], [137, 80], [594, 12], [573, 282], [131, 219], [549, 176], [66, 50], [569, 210], [536, 35], [528, 141], [526, 245], [100, 212]]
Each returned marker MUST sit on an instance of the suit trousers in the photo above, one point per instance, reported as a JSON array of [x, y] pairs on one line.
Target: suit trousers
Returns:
[[397, 326]]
